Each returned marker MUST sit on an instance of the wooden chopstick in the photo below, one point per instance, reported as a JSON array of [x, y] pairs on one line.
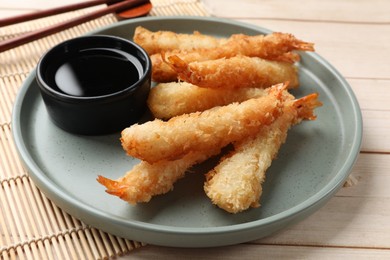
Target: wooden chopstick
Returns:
[[32, 36], [53, 11]]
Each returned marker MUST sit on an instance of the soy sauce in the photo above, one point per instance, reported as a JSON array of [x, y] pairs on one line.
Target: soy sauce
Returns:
[[97, 72]]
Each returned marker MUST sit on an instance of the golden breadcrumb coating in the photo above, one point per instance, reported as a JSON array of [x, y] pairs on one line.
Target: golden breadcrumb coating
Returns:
[[275, 46], [235, 184], [156, 42], [171, 99], [169, 140], [146, 180], [236, 72]]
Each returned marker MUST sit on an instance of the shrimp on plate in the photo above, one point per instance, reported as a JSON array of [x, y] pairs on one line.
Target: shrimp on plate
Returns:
[[156, 42], [235, 184], [201, 131], [146, 180], [235, 72], [275, 46], [171, 99]]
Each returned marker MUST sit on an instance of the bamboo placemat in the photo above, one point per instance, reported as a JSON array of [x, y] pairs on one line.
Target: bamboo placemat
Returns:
[[31, 226]]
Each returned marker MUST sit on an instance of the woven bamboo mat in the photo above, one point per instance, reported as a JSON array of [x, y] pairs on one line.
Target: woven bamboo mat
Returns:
[[31, 226]]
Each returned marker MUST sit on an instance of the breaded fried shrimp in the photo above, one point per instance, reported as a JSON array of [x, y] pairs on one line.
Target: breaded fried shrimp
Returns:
[[159, 140], [155, 42], [275, 46], [236, 72], [171, 99], [213, 93], [235, 184], [146, 180]]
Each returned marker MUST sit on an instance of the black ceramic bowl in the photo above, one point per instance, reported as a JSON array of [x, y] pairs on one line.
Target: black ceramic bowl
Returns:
[[95, 84]]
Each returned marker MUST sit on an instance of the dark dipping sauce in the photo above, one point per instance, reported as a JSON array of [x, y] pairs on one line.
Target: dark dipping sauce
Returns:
[[97, 72], [95, 85]]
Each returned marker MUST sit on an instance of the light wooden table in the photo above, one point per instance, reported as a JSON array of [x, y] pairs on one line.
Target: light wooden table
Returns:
[[354, 36]]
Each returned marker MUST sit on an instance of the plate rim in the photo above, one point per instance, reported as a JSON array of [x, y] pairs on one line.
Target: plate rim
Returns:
[[45, 183]]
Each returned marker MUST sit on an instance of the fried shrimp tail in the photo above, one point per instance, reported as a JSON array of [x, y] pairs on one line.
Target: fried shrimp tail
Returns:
[[171, 99], [235, 72], [113, 187], [146, 180], [156, 42], [235, 184], [162, 71], [275, 46], [305, 106], [201, 131]]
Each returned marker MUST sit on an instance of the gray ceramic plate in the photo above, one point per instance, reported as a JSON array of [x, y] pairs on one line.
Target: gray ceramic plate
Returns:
[[311, 166]]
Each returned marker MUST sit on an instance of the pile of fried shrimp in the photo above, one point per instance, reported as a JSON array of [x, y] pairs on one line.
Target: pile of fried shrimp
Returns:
[[212, 93]]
